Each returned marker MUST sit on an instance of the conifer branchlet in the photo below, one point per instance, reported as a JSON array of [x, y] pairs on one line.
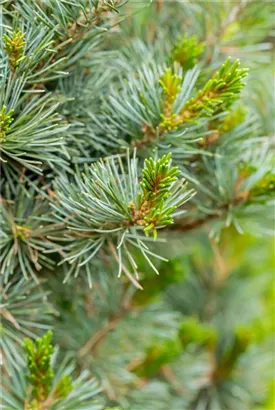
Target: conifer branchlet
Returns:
[[186, 51], [40, 375], [158, 177], [219, 93], [112, 204], [5, 120], [14, 46]]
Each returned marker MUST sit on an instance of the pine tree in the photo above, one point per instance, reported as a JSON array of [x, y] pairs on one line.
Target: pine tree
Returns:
[[137, 205]]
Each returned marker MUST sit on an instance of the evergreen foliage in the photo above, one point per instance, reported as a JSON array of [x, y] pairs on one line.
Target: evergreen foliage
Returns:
[[42, 388], [137, 205], [14, 48], [186, 51], [25, 311]]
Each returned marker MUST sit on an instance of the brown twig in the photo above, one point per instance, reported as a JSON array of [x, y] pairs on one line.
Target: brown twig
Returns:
[[182, 226], [99, 336], [94, 341], [171, 377], [192, 225], [159, 5]]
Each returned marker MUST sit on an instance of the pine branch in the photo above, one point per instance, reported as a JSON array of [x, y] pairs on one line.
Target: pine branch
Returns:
[[218, 94], [41, 374], [107, 204], [69, 94], [44, 386]]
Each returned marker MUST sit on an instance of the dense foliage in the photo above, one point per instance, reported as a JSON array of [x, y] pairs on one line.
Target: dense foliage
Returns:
[[137, 204]]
